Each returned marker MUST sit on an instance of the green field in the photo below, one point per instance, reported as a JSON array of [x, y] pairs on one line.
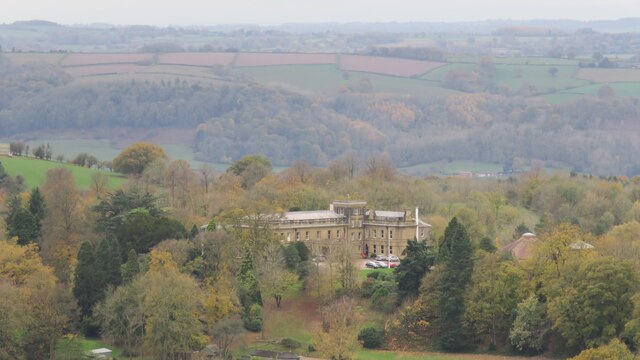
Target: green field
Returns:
[[626, 89], [438, 74], [450, 167], [35, 172], [330, 79], [515, 76]]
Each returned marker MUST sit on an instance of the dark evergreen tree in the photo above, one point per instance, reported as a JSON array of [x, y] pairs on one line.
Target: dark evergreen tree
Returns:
[[107, 260], [456, 259], [248, 279], [194, 232], [416, 263], [20, 222], [37, 207], [303, 251], [131, 268], [249, 293], [87, 287], [291, 256], [487, 245]]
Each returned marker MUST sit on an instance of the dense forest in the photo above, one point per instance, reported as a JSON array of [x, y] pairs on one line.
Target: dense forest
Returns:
[[102, 262]]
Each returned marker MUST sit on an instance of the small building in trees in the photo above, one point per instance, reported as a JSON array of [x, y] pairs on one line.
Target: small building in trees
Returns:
[[5, 149], [366, 231]]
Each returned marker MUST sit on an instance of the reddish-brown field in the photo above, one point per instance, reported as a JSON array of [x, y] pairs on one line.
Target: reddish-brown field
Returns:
[[91, 70], [386, 65], [26, 58], [609, 75], [267, 59], [106, 58], [196, 59]]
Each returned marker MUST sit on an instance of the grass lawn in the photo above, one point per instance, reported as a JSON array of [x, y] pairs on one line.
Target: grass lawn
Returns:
[[390, 355], [70, 349], [35, 171]]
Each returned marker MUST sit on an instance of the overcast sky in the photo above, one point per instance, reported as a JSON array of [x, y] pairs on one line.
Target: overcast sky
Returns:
[[273, 12]]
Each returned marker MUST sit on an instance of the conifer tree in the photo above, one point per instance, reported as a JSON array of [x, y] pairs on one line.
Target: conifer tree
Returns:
[[37, 205], [21, 223], [248, 279], [108, 262], [86, 287], [456, 259], [131, 268]]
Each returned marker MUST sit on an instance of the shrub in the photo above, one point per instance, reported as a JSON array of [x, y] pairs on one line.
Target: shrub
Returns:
[[290, 343], [371, 338]]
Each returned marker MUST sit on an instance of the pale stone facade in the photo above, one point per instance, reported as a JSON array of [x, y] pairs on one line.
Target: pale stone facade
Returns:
[[366, 231]]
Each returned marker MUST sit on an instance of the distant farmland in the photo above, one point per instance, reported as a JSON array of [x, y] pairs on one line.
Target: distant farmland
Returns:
[[271, 59], [197, 59], [609, 75], [99, 59], [331, 73], [93, 70], [387, 65]]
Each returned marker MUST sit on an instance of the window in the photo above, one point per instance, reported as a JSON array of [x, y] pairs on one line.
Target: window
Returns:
[[368, 233], [390, 249], [352, 235], [306, 235], [359, 235], [297, 235], [337, 234], [421, 232], [281, 236], [390, 234], [382, 249], [382, 234], [329, 234], [317, 235], [374, 233], [374, 249]]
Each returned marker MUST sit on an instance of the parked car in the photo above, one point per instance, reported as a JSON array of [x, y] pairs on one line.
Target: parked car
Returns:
[[372, 265], [394, 258], [382, 264], [381, 257]]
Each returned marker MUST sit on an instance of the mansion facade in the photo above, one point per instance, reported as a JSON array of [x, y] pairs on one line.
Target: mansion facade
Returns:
[[366, 231]]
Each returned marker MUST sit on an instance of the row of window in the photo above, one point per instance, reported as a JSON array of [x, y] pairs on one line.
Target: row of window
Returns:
[[307, 235], [375, 249], [375, 234]]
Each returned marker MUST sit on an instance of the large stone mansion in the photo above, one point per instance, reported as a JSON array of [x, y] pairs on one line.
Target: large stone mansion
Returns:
[[367, 231]]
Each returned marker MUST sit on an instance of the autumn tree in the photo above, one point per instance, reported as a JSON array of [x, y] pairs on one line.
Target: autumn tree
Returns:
[[530, 325], [614, 350], [496, 288], [251, 169], [122, 318], [275, 278], [136, 157], [63, 222], [594, 308], [171, 304], [338, 338]]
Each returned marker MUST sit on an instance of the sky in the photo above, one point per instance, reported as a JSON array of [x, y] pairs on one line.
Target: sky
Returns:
[[274, 12]]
